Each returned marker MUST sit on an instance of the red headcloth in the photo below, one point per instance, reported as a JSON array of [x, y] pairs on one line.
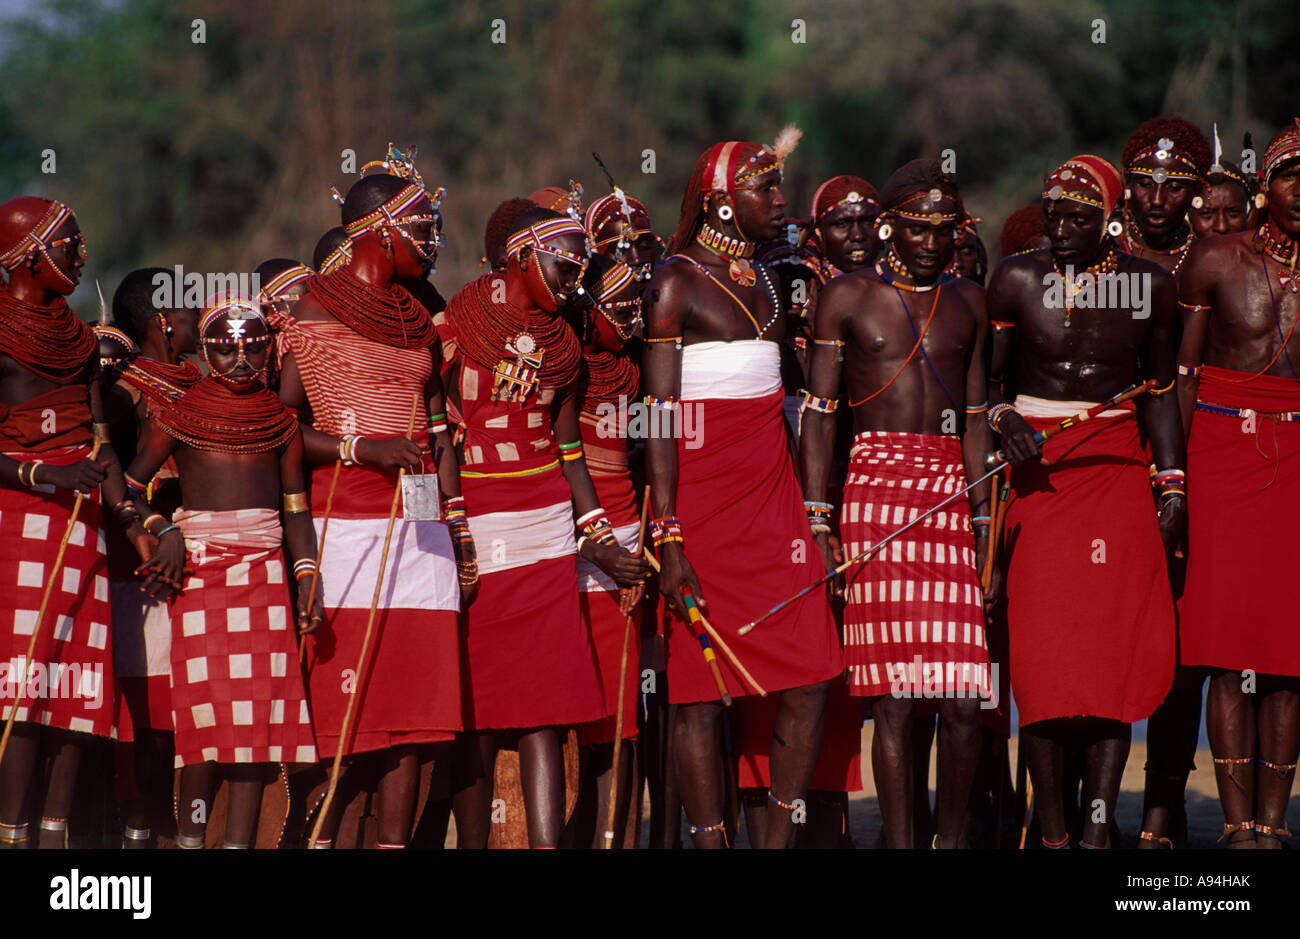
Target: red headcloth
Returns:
[[1086, 178], [838, 191], [1285, 146]]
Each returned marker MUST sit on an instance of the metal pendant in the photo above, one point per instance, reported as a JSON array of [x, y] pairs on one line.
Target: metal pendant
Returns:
[[421, 500]]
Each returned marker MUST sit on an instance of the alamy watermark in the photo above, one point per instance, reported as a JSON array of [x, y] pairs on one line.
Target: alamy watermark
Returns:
[[637, 420], [1101, 291]]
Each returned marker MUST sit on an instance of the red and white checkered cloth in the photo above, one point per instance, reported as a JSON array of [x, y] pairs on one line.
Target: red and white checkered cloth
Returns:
[[237, 690], [70, 680], [919, 597]]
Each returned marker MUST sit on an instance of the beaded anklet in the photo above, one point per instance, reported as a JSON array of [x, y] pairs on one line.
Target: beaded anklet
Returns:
[[771, 797]]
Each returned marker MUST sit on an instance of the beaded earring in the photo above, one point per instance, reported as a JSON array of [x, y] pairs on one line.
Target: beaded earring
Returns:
[[166, 326]]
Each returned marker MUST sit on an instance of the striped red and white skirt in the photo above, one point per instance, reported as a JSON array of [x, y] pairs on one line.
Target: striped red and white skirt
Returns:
[[914, 624]]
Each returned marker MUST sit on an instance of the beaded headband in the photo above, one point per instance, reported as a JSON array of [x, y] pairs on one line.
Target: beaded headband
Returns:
[[853, 197], [39, 238], [1086, 179], [723, 175], [934, 194], [1163, 150], [1285, 146], [392, 210], [337, 258], [278, 288], [615, 279], [604, 209], [112, 332], [536, 236], [246, 308], [396, 163]]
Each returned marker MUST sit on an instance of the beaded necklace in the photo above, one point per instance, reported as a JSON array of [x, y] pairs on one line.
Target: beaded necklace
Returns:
[[1133, 244], [767, 282], [1108, 264], [390, 315], [214, 416], [737, 250], [899, 269], [49, 341], [1282, 250]]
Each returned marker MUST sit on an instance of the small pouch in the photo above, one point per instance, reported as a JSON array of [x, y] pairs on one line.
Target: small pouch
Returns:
[[421, 499]]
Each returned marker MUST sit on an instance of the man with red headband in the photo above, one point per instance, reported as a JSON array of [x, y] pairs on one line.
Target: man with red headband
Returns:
[[1227, 199], [1239, 389], [238, 701], [1164, 161], [528, 660], [909, 342], [731, 534], [1090, 613], [358, 357], [50, 408]]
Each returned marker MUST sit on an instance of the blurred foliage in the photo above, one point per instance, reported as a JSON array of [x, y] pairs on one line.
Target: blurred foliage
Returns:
[[218, 155]]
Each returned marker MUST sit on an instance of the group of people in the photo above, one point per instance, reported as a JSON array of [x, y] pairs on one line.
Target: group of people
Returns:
[[699, 507]]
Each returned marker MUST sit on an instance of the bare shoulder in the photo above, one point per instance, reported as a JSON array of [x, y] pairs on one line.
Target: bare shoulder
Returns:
[[1223, 251], [1021, 271], [309, 310]]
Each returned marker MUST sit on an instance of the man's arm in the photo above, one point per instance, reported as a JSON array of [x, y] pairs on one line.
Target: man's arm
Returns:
[[300, 534], [166, 565], [1003, 311], [664, 310], [1195, 302], [444, 458], [1159, 413], [817, 423], [977, 438]]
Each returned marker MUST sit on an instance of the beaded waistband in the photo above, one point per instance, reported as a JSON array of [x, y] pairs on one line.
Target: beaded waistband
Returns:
[[1284, 417]]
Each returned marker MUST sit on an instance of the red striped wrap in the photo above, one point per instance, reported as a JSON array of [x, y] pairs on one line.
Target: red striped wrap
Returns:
[[919, 597], [75, 642], [1239, 608], [1089, 613], [237, 692]]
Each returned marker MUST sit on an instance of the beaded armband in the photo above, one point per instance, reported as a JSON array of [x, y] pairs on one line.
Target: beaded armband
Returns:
[[814, 402], [1169, 484], [570, 452], [453, 513], [294, 503], [304, 567], [437, 423], [666, 404], [676, 340], [980, 523], [978, 408], [997, 412], [665, 530], [1194, 307], [819, 516], [595, 525], [134, 488], [1191, 371]]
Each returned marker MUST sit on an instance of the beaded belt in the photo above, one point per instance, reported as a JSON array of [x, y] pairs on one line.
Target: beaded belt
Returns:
[[1283, 417]]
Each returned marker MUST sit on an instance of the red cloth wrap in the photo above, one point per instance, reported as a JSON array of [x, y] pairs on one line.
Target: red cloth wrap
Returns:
[[1088, 638], [920, 596], [1239, 609], [75, 633], [839, 765], [747, 537], [607, 625], [22, 426], [528, 660]]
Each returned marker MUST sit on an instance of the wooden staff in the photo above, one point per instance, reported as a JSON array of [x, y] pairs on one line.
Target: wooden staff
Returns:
[[995, 531], [622, 687], [320, 553], [998, 461], [718, 640], [40, 615], [710, 657], [1029, 808], [365, 640]]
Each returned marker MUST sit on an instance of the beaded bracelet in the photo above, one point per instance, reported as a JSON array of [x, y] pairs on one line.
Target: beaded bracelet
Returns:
[[172, 527], [667, 404], [1165, 390], [819, 516], [151, 519], [134, 487], [348, 444], [304, 567], [665, 530], [30, 481], [1191, 371], [437, 423], [126, 512], [571, 452], [978, 408], [817, 403], [997, 412]]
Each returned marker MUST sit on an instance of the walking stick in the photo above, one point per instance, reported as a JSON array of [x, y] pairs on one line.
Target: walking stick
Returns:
[[999, 513], [622, 687], [365, 640], [998, 461], [1029, 808], [40, 615], [320, 553], [697, 621], [718, 641]]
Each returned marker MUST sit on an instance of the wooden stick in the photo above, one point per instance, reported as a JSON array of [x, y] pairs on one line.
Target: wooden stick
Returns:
[[622, 688], [1029, 808], [998, 461], [365, 640], [1003, 492], [717, 640], [697, 620], [40, 615], [320, 553]]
